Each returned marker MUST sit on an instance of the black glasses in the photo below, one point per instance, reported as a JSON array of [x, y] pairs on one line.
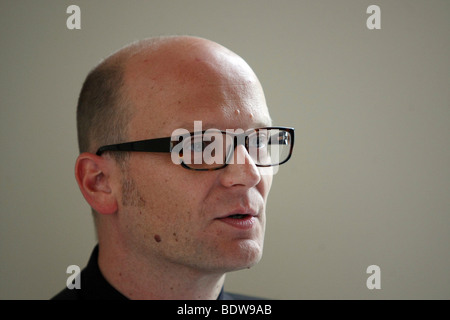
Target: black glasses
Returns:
[[213, 149]]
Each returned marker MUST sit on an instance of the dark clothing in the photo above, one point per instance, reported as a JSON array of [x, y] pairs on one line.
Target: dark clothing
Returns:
[[95, 287]]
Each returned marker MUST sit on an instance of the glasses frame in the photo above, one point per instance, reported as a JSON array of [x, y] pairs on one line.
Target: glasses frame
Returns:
[[166, 144]]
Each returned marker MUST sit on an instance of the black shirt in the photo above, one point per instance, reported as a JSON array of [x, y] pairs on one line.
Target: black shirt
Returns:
[[95, 287]]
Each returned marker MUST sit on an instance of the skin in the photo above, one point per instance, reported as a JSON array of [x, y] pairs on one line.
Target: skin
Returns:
[[160, 236]]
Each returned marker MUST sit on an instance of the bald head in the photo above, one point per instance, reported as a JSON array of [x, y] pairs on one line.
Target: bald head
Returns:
[[161, 76], [182, 59]]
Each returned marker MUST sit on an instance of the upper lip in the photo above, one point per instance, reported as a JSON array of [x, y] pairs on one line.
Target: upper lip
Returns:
[[243, 211]]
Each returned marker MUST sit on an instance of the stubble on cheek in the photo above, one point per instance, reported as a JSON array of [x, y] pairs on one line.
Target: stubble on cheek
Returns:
[[131, 197]]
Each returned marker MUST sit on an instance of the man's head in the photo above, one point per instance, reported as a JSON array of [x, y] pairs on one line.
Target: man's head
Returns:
[[147, 207]]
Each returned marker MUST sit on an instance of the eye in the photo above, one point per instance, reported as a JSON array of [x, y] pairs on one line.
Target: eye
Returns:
[[258, 141], [196, 146]]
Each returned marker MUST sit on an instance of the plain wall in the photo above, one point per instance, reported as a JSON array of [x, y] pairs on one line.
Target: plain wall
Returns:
[[369, 180]]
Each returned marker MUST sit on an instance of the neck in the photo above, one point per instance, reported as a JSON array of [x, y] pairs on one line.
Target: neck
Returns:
[[142, 279]]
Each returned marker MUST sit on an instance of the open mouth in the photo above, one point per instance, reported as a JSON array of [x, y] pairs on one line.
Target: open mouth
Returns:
[[238, 216], [240, 221]]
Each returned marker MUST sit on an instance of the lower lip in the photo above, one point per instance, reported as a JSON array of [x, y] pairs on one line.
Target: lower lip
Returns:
[[243, 224]]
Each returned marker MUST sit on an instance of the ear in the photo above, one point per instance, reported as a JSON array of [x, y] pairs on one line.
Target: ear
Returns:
[[93, 176]]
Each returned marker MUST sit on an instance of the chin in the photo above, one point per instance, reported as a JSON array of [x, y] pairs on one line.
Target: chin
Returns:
[[246, 255]]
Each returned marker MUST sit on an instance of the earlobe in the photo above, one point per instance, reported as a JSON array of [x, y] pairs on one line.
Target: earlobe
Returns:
[[92, 174]]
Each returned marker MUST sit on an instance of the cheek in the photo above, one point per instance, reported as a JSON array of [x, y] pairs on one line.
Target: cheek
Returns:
[[173, 204], [161, 220]]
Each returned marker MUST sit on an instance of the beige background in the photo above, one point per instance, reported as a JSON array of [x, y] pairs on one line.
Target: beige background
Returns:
[[369, 179]]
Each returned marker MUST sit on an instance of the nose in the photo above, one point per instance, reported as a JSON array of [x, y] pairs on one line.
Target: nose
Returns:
[[242, 171]]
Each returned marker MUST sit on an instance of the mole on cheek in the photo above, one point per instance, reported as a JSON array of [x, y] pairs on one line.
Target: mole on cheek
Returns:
[[157, 238]]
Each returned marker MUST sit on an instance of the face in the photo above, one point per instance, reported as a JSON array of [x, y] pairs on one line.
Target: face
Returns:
[[177, 216]]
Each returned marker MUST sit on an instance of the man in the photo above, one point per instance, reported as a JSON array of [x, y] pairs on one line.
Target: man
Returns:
[[165, 230]]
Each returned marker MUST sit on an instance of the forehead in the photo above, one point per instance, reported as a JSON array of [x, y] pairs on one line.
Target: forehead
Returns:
[[170, 90]]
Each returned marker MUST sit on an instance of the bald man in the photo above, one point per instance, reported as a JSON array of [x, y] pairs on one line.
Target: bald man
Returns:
[[172, 229]]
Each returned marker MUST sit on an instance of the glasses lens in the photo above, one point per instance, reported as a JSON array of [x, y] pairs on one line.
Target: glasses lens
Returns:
[[207, 151], [269, 147]]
